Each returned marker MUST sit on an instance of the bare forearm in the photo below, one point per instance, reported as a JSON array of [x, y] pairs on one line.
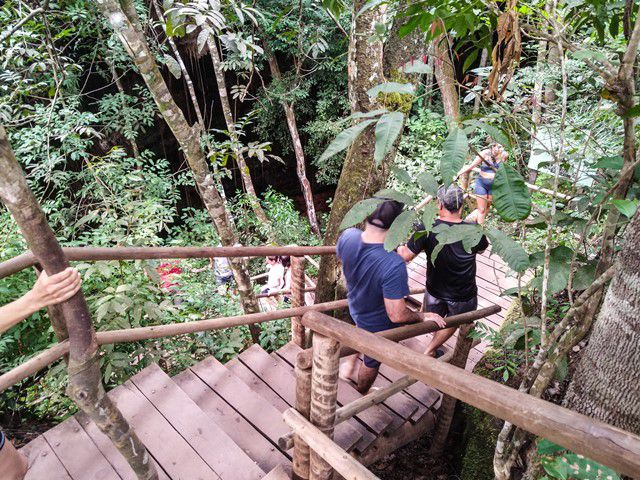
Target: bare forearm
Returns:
[[12, 313]]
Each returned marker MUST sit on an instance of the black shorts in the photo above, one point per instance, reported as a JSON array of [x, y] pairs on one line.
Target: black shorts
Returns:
[[446, 308]]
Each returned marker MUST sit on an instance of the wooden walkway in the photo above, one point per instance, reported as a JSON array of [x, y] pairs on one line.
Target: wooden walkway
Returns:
[[215, 421]]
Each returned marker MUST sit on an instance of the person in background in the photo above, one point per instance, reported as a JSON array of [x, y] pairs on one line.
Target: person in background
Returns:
[[276, 275], [489, 160], [451, 280], [286, 263], [48, 290], [377, 284]]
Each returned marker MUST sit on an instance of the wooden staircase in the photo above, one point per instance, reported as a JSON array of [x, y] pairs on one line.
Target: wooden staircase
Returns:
[[215, 421]]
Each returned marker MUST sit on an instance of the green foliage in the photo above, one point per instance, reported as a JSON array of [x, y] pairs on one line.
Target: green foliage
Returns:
[[359, 212], [399, 230], [510, 194], [387, 130], [561, 464], [454, 154], [345, 139], [508, 249]]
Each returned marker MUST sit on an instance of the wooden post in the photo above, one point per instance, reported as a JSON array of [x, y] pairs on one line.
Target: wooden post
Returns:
[[324, 392], [448, 405], [13, 464], [297, 299], [56, 317], [303, 406], [85, 379]]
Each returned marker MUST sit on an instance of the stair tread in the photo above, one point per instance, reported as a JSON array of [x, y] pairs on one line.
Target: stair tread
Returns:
[[276, 375], [250, 439], [278, 473], [42, 461]]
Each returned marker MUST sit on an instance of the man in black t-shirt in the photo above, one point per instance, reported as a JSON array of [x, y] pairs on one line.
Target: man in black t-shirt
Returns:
[[451, 281]]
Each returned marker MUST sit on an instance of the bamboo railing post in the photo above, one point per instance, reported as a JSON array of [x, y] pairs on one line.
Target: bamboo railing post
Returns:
[[324, 393], [303, 406], [85, 379], [297, 299], [448, 405]]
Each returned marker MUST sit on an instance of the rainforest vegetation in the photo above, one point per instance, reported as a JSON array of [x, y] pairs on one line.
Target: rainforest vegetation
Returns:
[[218, 122]]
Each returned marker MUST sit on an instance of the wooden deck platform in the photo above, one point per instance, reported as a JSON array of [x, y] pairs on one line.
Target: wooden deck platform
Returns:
[[215, 421]]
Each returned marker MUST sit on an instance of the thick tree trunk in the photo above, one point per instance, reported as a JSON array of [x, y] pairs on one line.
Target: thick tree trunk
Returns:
[[360, 177], [231, 128], [606, 382], [85, 380], [301, 168], [445, 74], [188, 138]]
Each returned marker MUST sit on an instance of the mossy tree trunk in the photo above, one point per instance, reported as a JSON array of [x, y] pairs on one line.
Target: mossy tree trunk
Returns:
[[445, 74], [188, 138], [85, 379]]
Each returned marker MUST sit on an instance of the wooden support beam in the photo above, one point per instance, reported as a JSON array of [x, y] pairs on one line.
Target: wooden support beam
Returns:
[[611, 446], [352, 409], [92, 254], [408, 331], [325, 448], [297, 299], [301, 453], [324, 395]]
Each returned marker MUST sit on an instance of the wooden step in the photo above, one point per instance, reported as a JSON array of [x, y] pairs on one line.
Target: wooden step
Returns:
[[42, 461], [258, 366], [253, 408], [211, 442], [278, 473], [250, 439]]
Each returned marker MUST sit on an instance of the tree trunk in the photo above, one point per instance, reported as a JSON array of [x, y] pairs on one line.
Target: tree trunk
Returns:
[[606, 382], [188, 139], [301, 168], [233, 135], [484, 59], [360, 177], [85, 380], [445, 74]]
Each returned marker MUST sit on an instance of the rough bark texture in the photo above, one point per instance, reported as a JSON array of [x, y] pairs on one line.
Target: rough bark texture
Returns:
[[297, 299], [606, 382], [85, 384], [56, 317], [231, 128], [484, 59], [301, 168], [188, 138], [301, 454], [360, 178], [445, 74]]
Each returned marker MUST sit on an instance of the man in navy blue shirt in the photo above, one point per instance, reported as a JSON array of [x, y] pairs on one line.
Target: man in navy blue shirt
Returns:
[[377, 283]]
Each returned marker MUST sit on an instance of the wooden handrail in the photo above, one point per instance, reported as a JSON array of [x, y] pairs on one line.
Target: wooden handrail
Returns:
[[597, 440], [27, 259]]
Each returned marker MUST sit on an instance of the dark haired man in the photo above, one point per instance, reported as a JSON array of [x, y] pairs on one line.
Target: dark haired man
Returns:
[[451, 280], [377, 283]]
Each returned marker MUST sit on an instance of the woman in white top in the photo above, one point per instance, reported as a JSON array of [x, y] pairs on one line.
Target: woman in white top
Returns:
[[276, 278]]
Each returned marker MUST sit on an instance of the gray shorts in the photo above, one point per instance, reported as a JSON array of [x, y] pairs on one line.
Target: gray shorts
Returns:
[[446, 308]]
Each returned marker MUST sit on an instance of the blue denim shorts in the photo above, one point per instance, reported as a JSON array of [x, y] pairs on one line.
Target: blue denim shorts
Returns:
[[483, 186]]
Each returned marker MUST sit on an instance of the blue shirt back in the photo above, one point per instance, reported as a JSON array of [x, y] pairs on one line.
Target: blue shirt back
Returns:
[[372, 274]]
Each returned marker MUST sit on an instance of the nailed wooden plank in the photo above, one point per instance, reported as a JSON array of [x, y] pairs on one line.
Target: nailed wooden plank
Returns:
[[278, 473], [109, 450], [276, 374], [43, 462], [171, 451], [258, 412], [75, 450], [210, 441], [252, 380], [250, 439]]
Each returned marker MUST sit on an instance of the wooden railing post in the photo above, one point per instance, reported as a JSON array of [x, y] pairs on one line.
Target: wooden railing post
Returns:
[[324, 392], [303, 405], [297, 299]]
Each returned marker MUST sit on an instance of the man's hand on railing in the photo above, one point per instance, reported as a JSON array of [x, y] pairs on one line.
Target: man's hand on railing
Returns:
[[434, 317]]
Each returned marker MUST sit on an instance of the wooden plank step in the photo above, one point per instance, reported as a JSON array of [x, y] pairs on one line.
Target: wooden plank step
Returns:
[[109, 450], [253, 408], [376, 419], [275, 374], [174, 454], [42, 461], [251, 440], [79, 455], [278, 473], [211, 442], [252, 380]]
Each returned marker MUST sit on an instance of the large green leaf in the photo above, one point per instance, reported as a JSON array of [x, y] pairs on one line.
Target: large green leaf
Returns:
[[400, 230], [495, 133], [361, 115], [429, 215], [359, 212], [402, 175], [508, 249], [468, 234], [626, 207], [428, 182], [510, 194], [395, 195], [392, 87], [454, 154], [387, 130], [345, 139]]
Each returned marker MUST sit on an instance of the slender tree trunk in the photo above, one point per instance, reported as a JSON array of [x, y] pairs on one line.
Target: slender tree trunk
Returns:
[[85, 380], [360, 177], [445, 74], [301, 168], [606, 382], [188, 138], [231, 128], [484, 59]]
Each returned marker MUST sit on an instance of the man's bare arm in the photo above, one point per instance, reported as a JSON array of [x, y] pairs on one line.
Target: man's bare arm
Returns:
[[406, 253], [399, 313]]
